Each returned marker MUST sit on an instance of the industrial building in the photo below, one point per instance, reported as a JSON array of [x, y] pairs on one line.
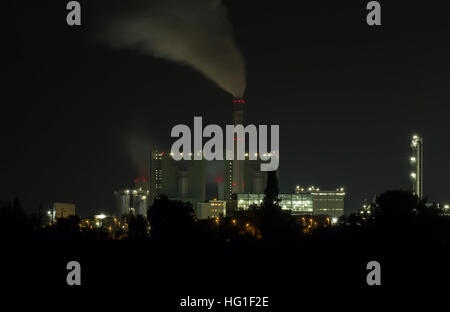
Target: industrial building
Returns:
[[182, 180], [251, 178], [212, 209], [61, 210], [131, 201], [310, 201]]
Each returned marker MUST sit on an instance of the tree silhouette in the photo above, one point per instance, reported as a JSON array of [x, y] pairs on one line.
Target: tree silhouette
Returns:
[[271, 200], [275, 224], [138, 227], [69, 225], [171, 219], [13, 218]]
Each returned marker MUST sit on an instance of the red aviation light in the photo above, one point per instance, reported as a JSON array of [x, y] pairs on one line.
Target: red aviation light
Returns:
[[234, 183]]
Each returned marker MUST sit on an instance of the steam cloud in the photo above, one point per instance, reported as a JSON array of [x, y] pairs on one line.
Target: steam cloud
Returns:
[[194, 32], [140, 154]]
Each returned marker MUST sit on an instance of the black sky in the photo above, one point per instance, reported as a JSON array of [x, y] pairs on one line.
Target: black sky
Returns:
[[347, 98]]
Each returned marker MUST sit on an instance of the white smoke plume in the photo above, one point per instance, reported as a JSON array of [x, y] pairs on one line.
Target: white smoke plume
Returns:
[[193, 32]]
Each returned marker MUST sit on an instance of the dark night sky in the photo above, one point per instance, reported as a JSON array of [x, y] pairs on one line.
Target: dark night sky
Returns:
[[347, 98]]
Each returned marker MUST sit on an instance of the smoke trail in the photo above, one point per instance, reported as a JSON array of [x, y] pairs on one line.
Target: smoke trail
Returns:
[[194, 32], [139, 149]]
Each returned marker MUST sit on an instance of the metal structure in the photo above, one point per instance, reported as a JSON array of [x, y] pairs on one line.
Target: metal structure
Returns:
[[131, 201], [416, 161]]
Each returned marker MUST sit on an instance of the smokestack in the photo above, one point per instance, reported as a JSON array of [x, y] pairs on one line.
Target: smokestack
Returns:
[[238, 111], [238, 165]]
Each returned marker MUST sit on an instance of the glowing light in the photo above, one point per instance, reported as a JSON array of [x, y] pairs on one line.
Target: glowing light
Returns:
[[100, 216], [334, 220]]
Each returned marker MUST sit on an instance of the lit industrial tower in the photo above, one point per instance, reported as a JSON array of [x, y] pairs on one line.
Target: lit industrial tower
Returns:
[[417, 165], [238, 185]]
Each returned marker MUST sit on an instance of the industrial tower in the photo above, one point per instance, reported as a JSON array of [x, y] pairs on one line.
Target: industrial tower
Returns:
[[237, 166], [417, 165], [241, 176]]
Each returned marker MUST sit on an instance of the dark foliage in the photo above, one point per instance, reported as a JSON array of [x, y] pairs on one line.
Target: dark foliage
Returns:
[[171, 220], [262, 248], [138, 227]]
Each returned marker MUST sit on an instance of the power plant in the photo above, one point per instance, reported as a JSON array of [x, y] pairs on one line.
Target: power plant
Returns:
[[242, 185], [416, 161]]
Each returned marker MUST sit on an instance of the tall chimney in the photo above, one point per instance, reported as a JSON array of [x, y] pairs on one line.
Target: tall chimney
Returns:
[[238, 165]]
